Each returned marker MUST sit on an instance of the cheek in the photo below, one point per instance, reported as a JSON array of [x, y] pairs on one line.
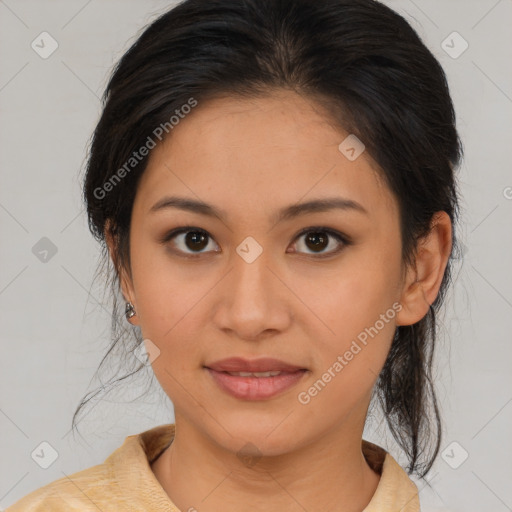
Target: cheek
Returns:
[[164, 293], [170, 306], [344, 300], [355, 310], [349, 362]]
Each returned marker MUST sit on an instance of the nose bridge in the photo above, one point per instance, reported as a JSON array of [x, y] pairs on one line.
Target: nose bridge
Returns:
[[250, 304], [251, 275]]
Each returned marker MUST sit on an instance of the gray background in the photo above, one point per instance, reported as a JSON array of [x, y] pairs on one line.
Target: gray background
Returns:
[[55, 323]]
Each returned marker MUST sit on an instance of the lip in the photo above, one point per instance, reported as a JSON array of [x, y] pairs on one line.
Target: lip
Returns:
[[254, 388], [264, 364]]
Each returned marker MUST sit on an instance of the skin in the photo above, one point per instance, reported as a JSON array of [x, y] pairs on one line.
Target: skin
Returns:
[[251, 158]]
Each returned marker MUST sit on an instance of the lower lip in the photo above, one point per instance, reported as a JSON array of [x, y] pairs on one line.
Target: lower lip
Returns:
[[255, 388]]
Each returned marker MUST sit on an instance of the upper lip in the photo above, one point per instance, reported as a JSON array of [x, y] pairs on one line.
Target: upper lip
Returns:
[[264, 364]]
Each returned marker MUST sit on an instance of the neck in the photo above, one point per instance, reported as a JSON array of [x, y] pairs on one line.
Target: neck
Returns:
[[330, 473]]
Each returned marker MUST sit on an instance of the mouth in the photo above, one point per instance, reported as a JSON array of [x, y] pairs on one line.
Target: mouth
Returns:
[[245, 385]]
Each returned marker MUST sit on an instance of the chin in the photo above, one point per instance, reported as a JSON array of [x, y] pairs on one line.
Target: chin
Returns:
[[258, 438]]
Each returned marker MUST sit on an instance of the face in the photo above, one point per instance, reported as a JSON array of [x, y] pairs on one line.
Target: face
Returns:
[[316, 288]]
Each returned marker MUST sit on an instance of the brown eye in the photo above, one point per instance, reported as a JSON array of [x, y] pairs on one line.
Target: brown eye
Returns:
[[317, 239], [189, 241]]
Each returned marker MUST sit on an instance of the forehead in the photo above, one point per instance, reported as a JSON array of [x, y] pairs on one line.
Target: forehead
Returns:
[[262, 153]]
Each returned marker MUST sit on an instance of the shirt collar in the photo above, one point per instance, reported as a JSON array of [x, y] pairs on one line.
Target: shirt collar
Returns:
[[130, 463]]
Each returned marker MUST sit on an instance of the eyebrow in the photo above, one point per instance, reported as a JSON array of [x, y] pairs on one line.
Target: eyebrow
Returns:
[[286, 213]]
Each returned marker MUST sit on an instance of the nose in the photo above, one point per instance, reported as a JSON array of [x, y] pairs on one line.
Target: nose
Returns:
[[253, 303]]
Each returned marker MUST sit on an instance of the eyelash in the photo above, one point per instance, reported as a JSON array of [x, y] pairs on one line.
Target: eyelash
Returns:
[[340, 237]]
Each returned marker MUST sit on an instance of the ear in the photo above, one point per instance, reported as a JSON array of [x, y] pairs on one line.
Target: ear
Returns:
[[124, 279], [422, 282]]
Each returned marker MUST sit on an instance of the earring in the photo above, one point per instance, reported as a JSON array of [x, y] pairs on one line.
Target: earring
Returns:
[[129, 311]]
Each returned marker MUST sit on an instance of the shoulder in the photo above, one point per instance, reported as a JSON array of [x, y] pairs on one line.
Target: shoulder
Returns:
[[124, 481], [396, 491], [79, 491]]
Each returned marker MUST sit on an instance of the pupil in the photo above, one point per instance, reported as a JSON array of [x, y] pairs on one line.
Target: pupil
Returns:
[[318, 241], [196, 239]]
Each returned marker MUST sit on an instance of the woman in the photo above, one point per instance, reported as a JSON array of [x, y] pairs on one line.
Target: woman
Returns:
[[273, 181]]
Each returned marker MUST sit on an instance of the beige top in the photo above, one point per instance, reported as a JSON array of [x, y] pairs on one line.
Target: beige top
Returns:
[[125, 482]]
